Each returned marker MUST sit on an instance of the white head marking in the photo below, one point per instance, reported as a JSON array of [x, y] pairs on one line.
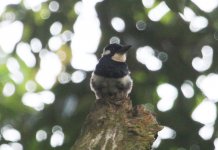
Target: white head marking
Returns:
[[106, 52]]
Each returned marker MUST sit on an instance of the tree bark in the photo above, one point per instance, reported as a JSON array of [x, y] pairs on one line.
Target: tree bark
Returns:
[[115, 125]]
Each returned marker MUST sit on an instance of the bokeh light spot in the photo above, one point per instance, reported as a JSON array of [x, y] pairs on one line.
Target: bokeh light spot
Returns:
[[50, 67], [207, 6], [158, 12], [56, 28], [85, 40], [41, 135], [10, 134], [66, 35], [64, 77], [47, 97], [36, 45], [17, 77], [57, 138], [5, 147], [78, 76], [205, 112], [14, 67], [5, 3], [56, 128], [206, 132], [209, 85], [216, 143], [148, 3], [8, 89], [204, 63], [30, 86], [84, 61], [216, 35], [167, 91], [55, 43], [54, 6], [114, 39], [198, 23], [38, 100], [16, 146], [188, 14], [118, 24], [23, 50], [146, 56], [45, 14], [167, 133], [168, 94], [10, 34], [29, 4], [187, 89], [9, 16], [162, 56], [78, 7], [33, 100], [140, 25]]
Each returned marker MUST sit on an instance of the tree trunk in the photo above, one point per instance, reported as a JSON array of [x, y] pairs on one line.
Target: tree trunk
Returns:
[[115, 125]]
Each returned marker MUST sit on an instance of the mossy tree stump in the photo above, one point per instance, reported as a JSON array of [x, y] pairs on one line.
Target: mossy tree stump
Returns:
[[115, 125]]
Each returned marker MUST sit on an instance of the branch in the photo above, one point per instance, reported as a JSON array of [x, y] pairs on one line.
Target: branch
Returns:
[[115, 125]]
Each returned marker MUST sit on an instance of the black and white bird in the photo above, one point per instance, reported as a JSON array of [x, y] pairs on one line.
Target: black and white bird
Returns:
[[111, 77]]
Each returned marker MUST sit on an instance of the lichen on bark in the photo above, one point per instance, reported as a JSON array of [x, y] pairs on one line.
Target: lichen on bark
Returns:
[[116, 125]]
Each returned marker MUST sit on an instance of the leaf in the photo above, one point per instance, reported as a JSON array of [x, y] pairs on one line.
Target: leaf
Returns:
[[176, 5]]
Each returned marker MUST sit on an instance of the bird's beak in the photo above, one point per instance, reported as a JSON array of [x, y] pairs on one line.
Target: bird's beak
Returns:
[[125, 48]]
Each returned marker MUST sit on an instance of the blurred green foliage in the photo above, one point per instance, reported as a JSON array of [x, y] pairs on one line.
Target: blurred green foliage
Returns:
[[170, 35]]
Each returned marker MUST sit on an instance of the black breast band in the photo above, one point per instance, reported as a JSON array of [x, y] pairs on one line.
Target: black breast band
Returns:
[[111, 69]]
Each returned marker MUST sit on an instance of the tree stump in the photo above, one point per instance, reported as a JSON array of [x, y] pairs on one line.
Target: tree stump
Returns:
[[115, 125]]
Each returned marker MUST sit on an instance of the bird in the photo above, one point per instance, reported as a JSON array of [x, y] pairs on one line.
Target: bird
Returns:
[[111, 77]]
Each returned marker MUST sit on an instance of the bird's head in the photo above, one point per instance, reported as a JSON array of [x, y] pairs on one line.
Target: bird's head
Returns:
[[116, 52]]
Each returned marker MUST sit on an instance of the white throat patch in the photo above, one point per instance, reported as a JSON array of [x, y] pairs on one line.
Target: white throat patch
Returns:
[[119, 57]]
